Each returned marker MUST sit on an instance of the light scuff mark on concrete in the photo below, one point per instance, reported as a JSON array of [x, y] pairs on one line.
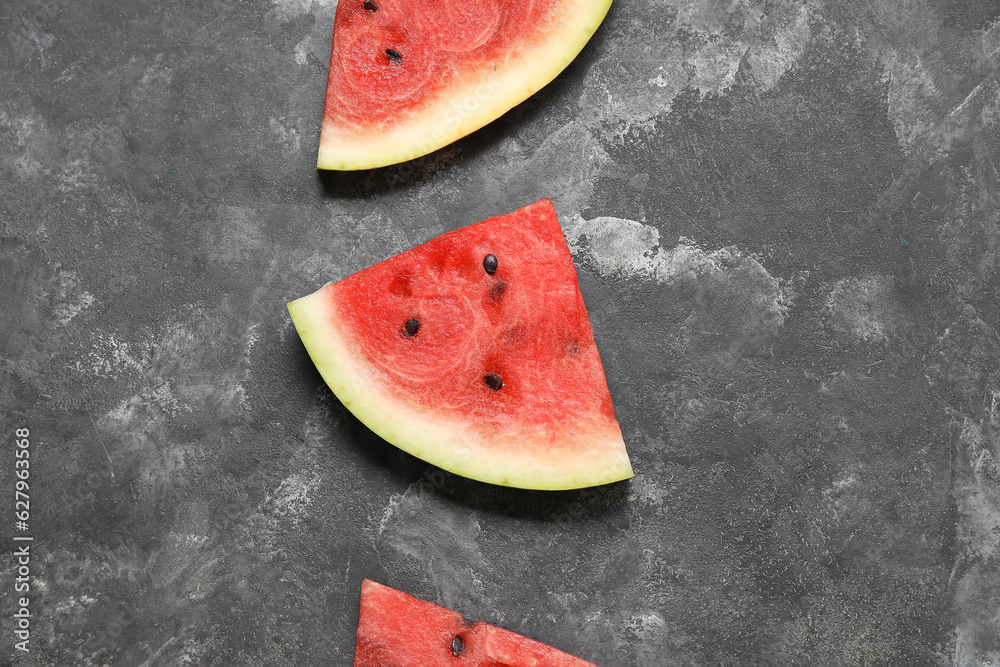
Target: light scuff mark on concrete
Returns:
[[286, 10], [724, 280], [287, 135], [291, 500], [707, 43], [112, 358], [864, 310], [974, 580], [438, 538]]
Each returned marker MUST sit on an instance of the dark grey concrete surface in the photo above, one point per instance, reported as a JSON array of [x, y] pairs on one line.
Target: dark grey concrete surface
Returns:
[[786, 219]]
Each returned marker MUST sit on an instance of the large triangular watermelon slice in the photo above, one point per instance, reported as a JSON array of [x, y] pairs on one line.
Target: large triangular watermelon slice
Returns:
[[474, 352], [398, 630], [410, 76]]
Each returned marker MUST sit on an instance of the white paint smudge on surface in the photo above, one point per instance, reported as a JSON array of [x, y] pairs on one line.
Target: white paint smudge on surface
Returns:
[[743, 308], [567, 160], [571, 180], [303, 50], [979, 494], [74, 605], [287, 10], [911, 88], [112, 358], [917, 73], [156, 76], [68, 310], [639, 78], [713, 69], [251, 337], [776, 55], [287, 134], [77, 174], [618, 246], [863, 310], [166, 373], [32, 136], [646, 626], [439, 537], [973, 579], [622, 248], [652, 491], [150, 405], [163, 398], [70, 300], [73, 157], [292, 498]]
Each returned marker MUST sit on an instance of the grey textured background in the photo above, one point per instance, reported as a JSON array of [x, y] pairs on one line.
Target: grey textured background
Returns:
[[786, 219]]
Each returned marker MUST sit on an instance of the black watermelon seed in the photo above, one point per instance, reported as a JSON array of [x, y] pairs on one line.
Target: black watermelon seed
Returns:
[[457, 646], [394, 55], [371, 6], [411, 326], [493, 381], [490, 263]]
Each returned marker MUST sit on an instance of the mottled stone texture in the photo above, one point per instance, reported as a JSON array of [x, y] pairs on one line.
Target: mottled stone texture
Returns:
[[786, 219]]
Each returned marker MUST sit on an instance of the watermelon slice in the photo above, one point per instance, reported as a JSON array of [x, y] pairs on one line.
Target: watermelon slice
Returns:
[[410, 76], [474, 352], [398, 630]]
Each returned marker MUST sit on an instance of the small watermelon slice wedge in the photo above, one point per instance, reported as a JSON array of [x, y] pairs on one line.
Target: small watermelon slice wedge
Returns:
[[474, 352], [410, 76], [398, 630]]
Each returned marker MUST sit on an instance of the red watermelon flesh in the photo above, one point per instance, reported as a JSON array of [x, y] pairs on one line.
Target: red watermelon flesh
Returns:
[[398, 630], [499, 380], [409, 76]]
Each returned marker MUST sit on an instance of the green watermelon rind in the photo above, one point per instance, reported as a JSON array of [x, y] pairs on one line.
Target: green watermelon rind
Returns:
[[596, 458], [484, 98]]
